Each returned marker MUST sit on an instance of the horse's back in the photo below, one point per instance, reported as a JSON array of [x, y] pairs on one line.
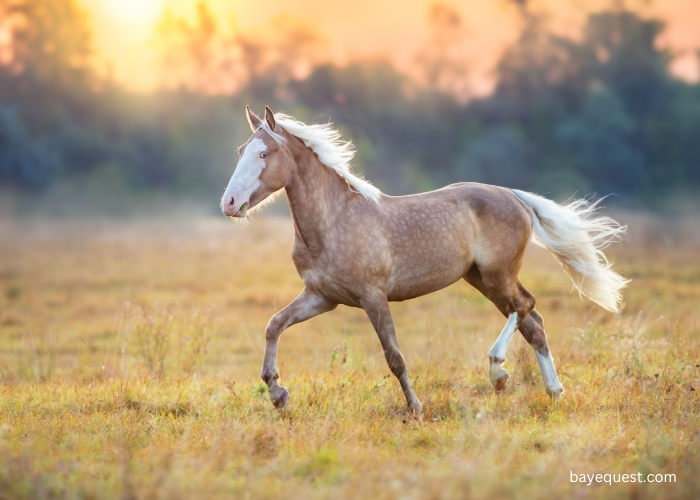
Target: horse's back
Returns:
[[481, 204], [436, 237]]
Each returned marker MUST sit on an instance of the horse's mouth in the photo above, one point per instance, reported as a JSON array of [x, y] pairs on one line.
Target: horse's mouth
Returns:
[[240, 213], [243, 211]]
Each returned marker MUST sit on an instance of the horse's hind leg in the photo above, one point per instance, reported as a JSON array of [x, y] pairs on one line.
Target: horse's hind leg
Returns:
[[517, 304], [531, 326], [533, 331]]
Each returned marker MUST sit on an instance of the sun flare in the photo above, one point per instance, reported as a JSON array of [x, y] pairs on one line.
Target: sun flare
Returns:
[[135, 11]]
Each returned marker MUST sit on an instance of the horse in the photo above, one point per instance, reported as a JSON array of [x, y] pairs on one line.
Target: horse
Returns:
[[356, 246]]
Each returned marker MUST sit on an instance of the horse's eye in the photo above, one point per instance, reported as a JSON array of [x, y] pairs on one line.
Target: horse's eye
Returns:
[[263, 154]]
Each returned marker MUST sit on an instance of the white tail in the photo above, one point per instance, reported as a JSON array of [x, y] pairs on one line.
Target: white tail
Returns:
[[576, 235]]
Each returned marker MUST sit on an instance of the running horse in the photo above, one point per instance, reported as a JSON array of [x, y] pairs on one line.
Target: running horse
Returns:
[[356, 246]]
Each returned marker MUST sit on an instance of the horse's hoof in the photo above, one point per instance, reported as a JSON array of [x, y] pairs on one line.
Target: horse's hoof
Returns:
[[279, 397], [501, 383], [416, 411], [556, 396]]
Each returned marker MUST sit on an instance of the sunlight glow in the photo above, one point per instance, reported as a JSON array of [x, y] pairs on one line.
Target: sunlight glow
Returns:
[[135, 11], [126, 30]]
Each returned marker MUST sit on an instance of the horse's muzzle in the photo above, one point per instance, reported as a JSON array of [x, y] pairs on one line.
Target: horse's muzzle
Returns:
[[228, 207], [230, 210]]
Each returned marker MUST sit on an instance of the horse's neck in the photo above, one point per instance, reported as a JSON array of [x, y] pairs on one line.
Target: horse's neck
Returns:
[[316, 196]]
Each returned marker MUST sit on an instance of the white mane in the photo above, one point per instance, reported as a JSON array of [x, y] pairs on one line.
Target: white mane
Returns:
[[333, 152]]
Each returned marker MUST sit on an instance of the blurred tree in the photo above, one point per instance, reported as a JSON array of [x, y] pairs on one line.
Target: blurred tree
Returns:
[[597, 112], [599, 138], [46, 79], [374, 104], [596, 106], [197, 55], [50, 39], [621, 51], [442, 61], [204, 58], [497, 157], [22, 160], [49, 69]]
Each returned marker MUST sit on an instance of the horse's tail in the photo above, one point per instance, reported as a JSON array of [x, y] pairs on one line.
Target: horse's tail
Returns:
[[576, 235]]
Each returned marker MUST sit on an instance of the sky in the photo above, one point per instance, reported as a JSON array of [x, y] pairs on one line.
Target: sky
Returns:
[[126, 40]]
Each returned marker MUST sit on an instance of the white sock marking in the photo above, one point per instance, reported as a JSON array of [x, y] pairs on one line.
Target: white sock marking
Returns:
[[499, 349], [501, 346], [549, 373]]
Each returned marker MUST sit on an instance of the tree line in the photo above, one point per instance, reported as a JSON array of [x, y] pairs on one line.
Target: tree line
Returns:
[[597, 113]]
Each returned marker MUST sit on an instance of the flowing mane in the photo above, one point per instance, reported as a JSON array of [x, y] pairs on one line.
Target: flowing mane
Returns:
[[333, 152]]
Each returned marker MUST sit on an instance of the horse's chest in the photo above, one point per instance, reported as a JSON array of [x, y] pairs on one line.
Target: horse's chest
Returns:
[[322, 276], [330, 286]]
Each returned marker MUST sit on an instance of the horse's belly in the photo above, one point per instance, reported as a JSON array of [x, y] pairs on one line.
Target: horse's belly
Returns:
[[424, 279], [429, 251]]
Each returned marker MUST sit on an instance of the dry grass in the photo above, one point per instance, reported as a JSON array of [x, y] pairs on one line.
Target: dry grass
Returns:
[[131, 351]]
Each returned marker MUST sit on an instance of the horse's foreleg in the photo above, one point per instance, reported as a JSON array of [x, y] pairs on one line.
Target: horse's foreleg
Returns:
[[377, 308], [305, 306]]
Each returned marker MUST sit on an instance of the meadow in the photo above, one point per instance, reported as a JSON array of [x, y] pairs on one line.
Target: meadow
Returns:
[[130, 353]]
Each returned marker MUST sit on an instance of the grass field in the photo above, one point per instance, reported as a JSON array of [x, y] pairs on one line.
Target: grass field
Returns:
[[130, 354]]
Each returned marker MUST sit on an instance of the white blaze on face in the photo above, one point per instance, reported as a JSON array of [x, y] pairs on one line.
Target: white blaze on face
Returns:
[[246, 179]]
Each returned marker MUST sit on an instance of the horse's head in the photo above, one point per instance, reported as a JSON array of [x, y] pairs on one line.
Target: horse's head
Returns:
[[264, 166]]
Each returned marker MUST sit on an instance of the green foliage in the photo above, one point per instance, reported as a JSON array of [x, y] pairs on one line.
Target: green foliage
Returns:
[[23, 159], [600, 113]]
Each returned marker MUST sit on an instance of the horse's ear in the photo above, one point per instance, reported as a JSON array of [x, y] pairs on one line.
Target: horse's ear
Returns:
[[253, 120], [270, 118]]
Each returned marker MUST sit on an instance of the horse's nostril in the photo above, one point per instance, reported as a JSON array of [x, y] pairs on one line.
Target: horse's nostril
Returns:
[[230, 202]]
